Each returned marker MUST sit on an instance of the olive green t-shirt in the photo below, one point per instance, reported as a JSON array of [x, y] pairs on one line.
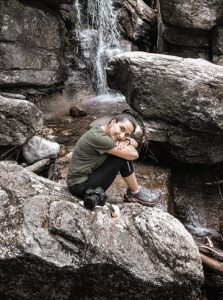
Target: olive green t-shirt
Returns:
[[88, 154]]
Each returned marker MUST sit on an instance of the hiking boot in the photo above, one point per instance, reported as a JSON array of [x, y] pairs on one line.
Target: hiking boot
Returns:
[[144, 196]]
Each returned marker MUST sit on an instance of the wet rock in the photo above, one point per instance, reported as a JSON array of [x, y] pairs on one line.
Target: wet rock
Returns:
[[57, 248], [181, 93], [77, 112], [198, 204], [19, 121], [38, 148], [197, 200]]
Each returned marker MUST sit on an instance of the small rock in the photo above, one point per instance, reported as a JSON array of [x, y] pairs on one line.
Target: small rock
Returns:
[[38, 148], [77, 112]]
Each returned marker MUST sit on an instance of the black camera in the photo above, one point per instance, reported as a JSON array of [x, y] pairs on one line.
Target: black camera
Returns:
[[94, 197]]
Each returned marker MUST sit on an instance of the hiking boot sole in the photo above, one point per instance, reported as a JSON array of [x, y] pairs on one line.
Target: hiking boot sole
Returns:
[[145, 203]]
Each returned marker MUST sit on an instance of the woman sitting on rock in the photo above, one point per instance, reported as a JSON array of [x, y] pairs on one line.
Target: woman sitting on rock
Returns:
[[99, 155]]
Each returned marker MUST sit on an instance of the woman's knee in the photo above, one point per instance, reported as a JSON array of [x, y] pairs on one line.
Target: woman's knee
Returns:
[[77, 191]]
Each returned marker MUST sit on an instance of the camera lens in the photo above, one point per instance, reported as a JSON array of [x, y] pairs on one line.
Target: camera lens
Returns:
[[90, 202]]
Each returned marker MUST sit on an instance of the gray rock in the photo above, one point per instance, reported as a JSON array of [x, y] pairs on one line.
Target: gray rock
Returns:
[[182, 144], [202, 14], [77, 112], [43, 29], [19, 121], [57, 248], [21, 57], [181, 40], [185, 93], [31, 44], [173, 89], [186, 37], [38, 148], [33, 78], [185, 51], [218, 59], [137, 22]]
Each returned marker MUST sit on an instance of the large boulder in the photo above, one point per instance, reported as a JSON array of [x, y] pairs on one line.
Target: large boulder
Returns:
[[31, 45], [183, 94], [59, 250], [19, 121]]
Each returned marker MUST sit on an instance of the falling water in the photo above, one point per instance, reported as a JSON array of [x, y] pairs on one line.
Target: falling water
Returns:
[[102, 18], [78, 11], [197, 225]]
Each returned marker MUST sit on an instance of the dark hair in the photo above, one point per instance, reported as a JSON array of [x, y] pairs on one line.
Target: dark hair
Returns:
[[123, 116]]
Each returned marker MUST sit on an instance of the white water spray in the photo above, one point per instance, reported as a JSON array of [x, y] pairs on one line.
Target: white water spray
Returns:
[[197, 225], [103, 20], [78, 11]]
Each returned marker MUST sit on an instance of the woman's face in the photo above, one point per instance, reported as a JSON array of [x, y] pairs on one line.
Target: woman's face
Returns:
[[119, 131]]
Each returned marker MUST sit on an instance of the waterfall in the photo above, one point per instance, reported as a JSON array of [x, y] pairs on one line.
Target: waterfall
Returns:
[[78, 11], [197, 225], [99, 33]]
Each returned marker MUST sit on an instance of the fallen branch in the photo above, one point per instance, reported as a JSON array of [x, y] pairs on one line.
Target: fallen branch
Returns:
[[212, 264], [13, 96], [38, 166], [215, 253]]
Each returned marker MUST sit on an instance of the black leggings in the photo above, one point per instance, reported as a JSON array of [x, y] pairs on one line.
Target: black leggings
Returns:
[[104, 175]]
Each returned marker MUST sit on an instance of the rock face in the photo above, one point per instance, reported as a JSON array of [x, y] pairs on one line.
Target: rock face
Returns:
[[137, 22], [200, 14], [59, 250], [19, 121], [31, 45], [185, 27], [183, 96]]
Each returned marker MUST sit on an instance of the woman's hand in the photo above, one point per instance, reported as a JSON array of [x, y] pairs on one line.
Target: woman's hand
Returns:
[[122, 144]]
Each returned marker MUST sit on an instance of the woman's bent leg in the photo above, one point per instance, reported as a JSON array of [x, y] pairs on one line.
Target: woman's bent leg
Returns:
[[104, 175]]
